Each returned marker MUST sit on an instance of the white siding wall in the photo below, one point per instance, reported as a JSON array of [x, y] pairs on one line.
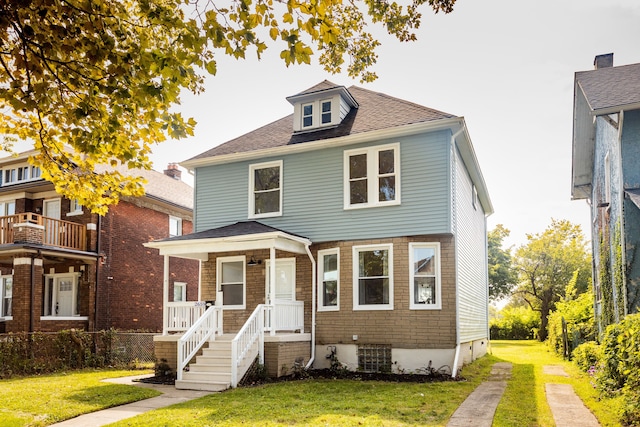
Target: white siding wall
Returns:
[[469, 227]]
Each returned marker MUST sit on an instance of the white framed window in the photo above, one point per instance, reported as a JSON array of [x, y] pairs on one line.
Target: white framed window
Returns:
[[265, 189], [20, 173], [75, 208], [307, 115], [7, 207], [372, 176], [179, 291], [424, 276], [61, 295], [175, 226], [474, 198], [373, 277], [325, 112], [6, 292], [329, 280], [231, 280]]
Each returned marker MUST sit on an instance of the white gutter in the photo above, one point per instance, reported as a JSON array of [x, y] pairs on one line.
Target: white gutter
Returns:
[[313, 307]]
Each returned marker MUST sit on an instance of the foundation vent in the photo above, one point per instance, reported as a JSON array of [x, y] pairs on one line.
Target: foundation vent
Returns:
[[374, 358]]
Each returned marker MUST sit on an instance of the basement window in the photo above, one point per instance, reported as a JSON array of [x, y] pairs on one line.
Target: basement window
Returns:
[[374, 358]]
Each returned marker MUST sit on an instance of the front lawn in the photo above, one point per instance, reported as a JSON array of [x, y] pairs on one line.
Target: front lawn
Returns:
[[47, 399]]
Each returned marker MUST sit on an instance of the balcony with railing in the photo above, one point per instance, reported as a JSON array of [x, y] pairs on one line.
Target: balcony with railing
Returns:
[[33, 228]]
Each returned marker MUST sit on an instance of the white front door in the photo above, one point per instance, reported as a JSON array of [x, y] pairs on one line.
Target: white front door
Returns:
[[64, 297], [285, 288]]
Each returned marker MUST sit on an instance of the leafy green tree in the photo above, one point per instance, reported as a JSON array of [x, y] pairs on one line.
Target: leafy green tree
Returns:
[[502, 276], [546, 265], [94, 83]]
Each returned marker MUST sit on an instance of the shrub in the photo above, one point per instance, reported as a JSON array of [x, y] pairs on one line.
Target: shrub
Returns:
[[578, 315], [620, 365], [586, 355], [515, 323]]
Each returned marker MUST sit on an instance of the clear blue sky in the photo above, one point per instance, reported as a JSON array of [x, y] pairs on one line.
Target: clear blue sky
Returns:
[[506, 66]]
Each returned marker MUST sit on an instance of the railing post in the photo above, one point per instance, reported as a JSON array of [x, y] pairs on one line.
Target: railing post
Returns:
[[234, 364], [261, 336]]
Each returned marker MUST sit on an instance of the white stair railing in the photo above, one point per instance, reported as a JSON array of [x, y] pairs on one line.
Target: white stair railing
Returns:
[[182, 315], [197, 335], [288, 315], [244, 341]]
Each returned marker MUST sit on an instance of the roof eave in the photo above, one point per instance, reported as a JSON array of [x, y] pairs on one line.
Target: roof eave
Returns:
[[393, 132], [583, 145]]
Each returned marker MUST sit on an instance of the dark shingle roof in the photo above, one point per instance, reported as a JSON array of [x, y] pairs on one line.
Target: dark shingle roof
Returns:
[[376, 111], [611, 87], [241, 228]]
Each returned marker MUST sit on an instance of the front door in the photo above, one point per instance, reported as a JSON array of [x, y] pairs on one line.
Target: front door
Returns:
[[64, 297], [285, 288], [51, 212]]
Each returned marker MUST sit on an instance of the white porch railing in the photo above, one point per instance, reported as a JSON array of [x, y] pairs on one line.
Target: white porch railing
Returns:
[[245, 340], [182, 315], [287, 316], [203, 329]]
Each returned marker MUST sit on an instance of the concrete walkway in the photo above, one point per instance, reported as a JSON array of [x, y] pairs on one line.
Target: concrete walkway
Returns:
[[566, 407], [169, 396], [478, 409]]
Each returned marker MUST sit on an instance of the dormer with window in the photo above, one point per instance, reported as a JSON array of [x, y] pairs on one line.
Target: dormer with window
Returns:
[[321, 108]]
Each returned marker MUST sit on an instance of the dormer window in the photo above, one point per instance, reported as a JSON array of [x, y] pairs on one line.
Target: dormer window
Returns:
[[326, 112], [307, 115], [321, 108], [13, 175]]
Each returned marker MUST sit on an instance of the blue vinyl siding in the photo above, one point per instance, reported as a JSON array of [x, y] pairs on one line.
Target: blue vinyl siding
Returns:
[[313, 200], [471, 259]]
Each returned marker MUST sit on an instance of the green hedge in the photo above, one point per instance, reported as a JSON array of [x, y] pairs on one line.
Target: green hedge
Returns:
[[617, 370], [36, 353], [578, 316], [518, 323]]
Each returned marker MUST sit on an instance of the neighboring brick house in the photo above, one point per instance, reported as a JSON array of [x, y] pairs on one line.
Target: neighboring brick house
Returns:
[[64, 267], [372, 210], [605, 172]]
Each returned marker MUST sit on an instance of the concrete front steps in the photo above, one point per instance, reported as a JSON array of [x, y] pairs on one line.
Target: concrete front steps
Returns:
[[212, 369]]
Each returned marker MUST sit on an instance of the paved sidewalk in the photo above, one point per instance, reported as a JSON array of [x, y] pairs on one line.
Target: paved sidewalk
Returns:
[[566, 407], [170, 396], [479, 408]]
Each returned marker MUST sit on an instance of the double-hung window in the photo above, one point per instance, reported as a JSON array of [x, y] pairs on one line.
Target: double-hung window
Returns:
[[175, 226], [265, 189], [231, 278], [372, 176], [329, 280], [424, 276], [6, 292], [179, 291], [373, 277]]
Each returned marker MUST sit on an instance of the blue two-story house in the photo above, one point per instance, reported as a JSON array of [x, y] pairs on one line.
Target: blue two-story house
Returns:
[[352, 231], [606, 155]]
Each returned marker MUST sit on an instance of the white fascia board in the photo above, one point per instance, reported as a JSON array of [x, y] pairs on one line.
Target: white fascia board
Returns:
[[583, 145], [615, 109], [395, 132]]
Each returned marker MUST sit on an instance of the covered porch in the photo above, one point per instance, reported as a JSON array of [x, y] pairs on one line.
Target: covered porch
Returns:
[[256, 290]]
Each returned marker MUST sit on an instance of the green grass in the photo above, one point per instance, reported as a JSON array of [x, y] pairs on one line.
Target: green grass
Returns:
[[324, 403], [524, 402], [47, 399]]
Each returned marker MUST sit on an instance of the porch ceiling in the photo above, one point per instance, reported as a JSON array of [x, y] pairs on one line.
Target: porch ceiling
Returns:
[[241, 236]]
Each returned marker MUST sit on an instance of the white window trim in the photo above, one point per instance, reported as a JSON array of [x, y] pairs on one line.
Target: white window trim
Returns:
[[76, 206], [356, 271], [252, 200], [2, 296], [320, 113], [183, 292], [320, 256], [219, 262], [372, 176], [32, 171], [179, 222], [313, 115], [412, 304], [75, 283]]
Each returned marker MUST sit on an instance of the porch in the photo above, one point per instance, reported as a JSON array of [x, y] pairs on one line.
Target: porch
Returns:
[[249, 306], [33, 228]]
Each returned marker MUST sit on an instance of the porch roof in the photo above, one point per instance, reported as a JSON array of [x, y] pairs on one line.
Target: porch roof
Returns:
[[241, 236]]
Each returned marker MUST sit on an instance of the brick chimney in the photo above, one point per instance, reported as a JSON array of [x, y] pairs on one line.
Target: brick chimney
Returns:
[[173, 171], [603, 61]]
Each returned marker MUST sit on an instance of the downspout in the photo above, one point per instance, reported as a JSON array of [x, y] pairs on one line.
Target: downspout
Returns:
[[33, 291], [456, 357], [313, 307], [95, 297], [621, 206]]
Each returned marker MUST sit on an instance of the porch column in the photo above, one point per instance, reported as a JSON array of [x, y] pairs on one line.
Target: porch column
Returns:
[[165, 296], [272, 288]]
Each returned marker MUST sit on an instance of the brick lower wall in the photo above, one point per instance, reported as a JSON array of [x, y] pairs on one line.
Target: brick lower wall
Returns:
[[280, 357]]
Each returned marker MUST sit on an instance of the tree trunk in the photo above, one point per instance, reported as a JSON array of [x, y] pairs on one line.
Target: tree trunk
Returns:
[[544, 318]]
